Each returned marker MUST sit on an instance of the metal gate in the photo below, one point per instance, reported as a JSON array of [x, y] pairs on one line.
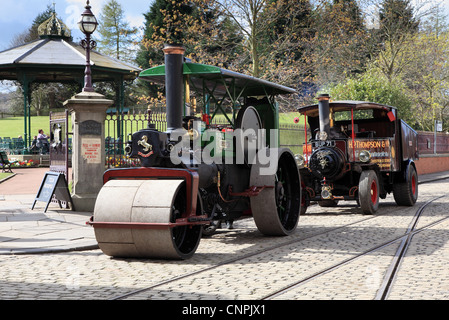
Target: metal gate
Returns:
[[60, 145]]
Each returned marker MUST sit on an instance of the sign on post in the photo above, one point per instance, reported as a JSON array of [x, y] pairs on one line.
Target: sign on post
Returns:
[[53, 184]]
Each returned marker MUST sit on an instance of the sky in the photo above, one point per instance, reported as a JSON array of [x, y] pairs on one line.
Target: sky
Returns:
[[16, 16]]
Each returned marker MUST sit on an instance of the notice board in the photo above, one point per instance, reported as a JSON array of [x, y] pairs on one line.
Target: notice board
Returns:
[[53, 184]]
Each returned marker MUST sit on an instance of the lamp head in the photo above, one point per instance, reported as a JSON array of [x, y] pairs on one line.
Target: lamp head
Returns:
[[88, 23]]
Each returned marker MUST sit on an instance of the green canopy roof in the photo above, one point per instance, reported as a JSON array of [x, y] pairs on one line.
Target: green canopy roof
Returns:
[[219, 81]]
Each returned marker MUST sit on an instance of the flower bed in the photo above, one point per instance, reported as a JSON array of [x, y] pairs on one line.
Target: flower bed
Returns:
[[122, 162], [22, 164]]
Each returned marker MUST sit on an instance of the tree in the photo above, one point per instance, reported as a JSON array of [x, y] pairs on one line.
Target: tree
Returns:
[[287, 37], [32, 34], [208, 36], [436, 22], [39, 100], [165, 22], [427, 76], [116, 34], [271, 43], [397, 17], [214, 38], [397, 26], [417, 56], [147, 55], [248, 16], [341, 46]]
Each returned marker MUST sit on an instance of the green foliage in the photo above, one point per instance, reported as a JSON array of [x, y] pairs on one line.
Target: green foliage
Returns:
[[342, 42], [284, 42], [303, 44], [165, 22], [396, 18], [208, 36], [146, 54], [116, 34], [373, 86]]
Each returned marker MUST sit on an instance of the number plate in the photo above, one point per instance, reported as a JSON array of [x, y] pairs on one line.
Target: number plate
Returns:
[[327, 143]]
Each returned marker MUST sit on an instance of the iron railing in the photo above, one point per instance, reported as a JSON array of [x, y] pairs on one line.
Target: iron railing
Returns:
[[120, 127]]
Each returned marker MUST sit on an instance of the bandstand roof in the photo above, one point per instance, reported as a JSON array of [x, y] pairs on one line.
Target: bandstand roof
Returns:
[[57, 59]]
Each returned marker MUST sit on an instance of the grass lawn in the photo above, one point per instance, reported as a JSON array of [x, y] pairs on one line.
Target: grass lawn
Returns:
[[4, 175], [289, 117], [14, 127]]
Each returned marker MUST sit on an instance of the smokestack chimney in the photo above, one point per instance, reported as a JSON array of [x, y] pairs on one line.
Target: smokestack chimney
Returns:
[[174, 85], [323, 110]]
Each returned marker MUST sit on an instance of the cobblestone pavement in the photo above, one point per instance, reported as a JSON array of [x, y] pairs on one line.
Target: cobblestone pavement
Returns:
[[324, 238]]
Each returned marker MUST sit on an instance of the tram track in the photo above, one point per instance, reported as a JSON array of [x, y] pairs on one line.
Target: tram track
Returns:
[[402, 250], [382, 292], [233, 260], [389, 277]]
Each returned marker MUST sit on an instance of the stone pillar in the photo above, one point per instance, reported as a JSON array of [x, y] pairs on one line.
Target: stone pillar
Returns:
[[88, 110]]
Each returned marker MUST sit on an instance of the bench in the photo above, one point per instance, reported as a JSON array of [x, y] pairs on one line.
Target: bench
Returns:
[[4, 161]]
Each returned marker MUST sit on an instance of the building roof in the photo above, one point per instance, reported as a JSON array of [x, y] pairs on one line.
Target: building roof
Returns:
[[55, 58], [345, 105]]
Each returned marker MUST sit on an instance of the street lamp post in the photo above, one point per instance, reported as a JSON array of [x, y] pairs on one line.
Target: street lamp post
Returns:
[[88, 24], [88, 112]]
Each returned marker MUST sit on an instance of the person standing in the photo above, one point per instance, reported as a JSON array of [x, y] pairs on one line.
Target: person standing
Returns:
[[42, 142]]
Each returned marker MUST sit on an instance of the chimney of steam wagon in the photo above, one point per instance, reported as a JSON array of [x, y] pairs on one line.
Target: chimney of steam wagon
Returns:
[[324, 111]]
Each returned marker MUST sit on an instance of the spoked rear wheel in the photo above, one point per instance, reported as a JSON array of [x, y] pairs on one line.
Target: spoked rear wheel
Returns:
[[283, 191]]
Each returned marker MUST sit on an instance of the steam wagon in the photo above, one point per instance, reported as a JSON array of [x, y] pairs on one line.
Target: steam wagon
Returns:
[[197, 174], [357, 151]]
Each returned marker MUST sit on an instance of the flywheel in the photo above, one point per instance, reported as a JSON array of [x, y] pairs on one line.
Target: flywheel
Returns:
[[249, 139]]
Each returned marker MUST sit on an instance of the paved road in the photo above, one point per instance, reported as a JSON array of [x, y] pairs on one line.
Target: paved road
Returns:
[[23, 230], [26, 181], [324, 238]]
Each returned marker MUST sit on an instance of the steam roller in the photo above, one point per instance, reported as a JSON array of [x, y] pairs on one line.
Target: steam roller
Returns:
[[196, 175]]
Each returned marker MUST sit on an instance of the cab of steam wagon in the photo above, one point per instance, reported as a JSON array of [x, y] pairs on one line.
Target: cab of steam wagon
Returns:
[[358, 151]]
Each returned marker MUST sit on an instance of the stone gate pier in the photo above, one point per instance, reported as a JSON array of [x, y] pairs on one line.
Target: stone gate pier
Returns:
[[88, 110]]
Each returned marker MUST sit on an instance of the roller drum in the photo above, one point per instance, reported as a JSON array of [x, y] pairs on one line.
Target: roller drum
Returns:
[[145, 201]]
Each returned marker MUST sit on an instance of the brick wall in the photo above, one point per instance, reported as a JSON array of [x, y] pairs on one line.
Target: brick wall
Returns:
[[432, 163], [427, 143]]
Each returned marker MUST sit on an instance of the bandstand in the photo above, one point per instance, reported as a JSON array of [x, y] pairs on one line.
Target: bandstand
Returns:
[[54, 57]]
